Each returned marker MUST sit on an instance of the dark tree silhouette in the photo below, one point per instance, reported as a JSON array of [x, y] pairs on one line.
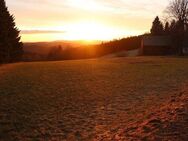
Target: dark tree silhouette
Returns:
[[173, 27], [10, 45], [167, 28], [55, 53], [157, 27], [178, 10], [186, 31]]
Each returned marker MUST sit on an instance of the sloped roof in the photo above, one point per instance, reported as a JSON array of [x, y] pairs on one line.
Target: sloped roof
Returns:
[[156, 41]]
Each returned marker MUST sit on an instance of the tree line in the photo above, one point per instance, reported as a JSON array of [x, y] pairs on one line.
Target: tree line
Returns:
[[94, 51], [169, 28]]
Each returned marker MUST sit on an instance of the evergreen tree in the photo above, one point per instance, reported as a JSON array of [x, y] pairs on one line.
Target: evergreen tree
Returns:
[[55, 53], [167, 28], [10, 46], [173, 27], [186, 27], [157, 27]]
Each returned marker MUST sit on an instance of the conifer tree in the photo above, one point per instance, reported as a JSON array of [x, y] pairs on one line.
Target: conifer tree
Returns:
[[173, 27], [157, 27], [167, 28], [10, 46]]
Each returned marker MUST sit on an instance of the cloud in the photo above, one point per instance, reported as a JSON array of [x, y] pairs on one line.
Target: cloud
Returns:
[[40, 31]]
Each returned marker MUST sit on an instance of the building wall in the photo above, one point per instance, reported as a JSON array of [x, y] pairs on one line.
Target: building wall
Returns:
[[157, 50], [157, 40], [157, 45], [161, 45]]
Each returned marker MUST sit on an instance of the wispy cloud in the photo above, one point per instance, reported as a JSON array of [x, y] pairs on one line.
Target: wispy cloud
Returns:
[[40, 31]]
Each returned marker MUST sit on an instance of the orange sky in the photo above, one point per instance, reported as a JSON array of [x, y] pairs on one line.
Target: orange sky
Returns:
[[48, 20]]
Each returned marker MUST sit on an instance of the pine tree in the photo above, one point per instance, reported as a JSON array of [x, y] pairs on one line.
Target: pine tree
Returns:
[[186, 30], [167, 28], [173, 27], [10, 46], [157, 27]]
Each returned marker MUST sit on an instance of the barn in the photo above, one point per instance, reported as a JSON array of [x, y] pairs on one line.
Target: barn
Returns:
[[156, 45]]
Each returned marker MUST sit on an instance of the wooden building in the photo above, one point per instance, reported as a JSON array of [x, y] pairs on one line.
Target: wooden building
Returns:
[[156, 45]]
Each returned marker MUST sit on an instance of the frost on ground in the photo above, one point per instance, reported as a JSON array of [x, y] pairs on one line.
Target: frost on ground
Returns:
[[168, 123], [103, 99]]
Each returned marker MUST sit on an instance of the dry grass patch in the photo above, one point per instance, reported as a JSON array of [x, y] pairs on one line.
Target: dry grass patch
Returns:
[[84, 100]]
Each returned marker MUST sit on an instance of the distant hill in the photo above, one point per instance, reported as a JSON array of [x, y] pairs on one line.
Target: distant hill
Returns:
[[69, 50], [44, 48]]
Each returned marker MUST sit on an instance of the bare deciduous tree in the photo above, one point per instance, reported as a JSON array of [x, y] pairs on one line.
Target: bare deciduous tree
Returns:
[[178, 9]]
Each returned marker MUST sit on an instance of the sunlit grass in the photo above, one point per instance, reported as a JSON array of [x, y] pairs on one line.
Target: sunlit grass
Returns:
[[83, 99]]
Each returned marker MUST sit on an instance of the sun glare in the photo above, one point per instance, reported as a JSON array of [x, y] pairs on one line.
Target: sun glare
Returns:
[[89, 31], [85, 31]]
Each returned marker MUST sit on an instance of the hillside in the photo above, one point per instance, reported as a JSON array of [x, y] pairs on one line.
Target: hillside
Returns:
[[99, 99], [44, 48], [73, 50]]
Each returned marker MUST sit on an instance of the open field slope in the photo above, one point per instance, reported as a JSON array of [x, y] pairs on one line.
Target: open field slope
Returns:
[[90, 99]]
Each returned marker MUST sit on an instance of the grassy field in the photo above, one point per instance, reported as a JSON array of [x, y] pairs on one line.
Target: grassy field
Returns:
[[83, 100]]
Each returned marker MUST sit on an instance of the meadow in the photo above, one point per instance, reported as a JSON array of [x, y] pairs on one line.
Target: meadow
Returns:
[[84, 99]]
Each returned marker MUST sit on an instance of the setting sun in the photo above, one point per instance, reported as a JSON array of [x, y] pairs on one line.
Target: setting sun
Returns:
[[85, 30], [83, 19], [90, 31]]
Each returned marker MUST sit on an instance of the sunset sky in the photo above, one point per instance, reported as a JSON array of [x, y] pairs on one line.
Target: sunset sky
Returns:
[[48, 20]]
